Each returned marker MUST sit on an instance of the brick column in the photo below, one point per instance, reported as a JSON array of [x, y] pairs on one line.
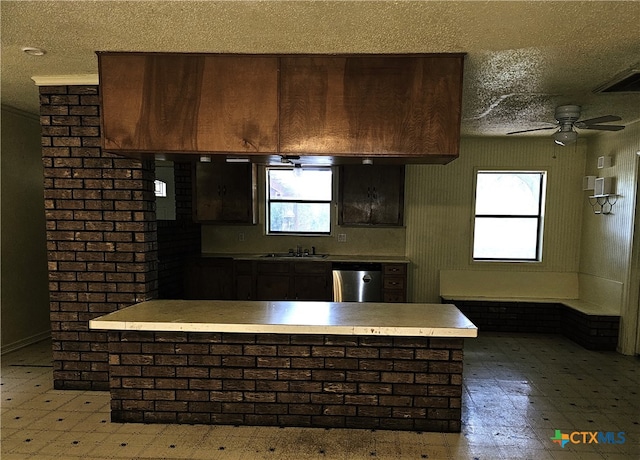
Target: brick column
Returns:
[[101, 233]]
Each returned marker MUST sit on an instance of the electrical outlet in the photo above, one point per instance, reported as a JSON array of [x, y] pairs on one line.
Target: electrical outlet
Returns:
[[342, 237], [240, 236]]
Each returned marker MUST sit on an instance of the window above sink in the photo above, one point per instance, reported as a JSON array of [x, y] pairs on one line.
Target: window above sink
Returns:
[[298, 201]]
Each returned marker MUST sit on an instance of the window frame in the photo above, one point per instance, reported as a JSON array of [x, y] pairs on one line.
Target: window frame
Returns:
[[539, 216], [268, 201]]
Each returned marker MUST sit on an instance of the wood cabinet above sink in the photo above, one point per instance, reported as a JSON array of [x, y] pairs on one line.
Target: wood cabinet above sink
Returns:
[[404, 107]]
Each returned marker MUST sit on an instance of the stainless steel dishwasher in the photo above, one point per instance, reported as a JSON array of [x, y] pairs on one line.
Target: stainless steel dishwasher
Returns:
[[357, 282]]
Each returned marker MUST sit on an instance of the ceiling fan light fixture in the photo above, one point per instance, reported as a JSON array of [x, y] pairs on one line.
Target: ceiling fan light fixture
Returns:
[[565, 137]]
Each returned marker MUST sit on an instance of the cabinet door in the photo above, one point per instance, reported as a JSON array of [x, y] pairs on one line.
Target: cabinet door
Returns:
[[354, 195], [312, 281], [273, 281], [225, 193], [387, 195], [371, 195], [182, 103], [239, 193], [244, 279], [273, 287], [209, 279], [244, 287], [312, 288], [375, 105]]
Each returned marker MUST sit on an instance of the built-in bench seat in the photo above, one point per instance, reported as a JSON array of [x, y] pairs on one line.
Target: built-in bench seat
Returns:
[[582, 307]]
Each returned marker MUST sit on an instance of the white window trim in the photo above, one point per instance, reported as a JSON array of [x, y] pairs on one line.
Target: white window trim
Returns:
[[541, 226], [266, 202]]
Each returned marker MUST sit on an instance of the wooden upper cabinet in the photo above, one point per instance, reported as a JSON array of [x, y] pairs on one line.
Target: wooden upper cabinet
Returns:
[[187, 103], [225, 193], [392, 106], [389, 106], [371, 195]]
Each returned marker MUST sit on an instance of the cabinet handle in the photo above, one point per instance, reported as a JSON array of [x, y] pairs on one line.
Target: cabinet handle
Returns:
[[368, 192], [375, 194], [224, 189]]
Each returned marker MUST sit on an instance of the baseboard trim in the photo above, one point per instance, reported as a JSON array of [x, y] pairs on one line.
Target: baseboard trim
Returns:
[[8, 348]]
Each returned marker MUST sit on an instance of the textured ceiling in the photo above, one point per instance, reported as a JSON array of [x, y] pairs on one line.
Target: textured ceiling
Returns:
[[523, 58]]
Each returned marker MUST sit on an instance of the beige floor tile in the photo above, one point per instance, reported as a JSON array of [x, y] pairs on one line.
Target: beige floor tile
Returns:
[[519, 388], [116, 446]]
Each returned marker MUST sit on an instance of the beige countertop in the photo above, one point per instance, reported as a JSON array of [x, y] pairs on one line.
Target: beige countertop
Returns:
[[326, 258], [285, 317]]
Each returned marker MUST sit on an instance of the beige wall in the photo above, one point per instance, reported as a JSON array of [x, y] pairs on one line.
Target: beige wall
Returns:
[[25, 296], [439, 208], [607, 240], [363, 241]]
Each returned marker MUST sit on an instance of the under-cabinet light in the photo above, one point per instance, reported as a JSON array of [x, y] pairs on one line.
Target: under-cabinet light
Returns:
[[367, 161], [205, 158], [238, 160]]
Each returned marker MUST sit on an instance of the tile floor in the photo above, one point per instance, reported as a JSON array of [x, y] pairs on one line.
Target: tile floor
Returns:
[[519, 389]]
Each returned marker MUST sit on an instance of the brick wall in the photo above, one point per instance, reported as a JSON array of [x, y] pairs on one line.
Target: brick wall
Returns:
[[101, 233], [403, 383], [594, 332], [179, 239], [489, 315]]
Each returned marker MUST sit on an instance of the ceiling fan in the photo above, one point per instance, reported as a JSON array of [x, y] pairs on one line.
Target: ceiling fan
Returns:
[[567, 120]]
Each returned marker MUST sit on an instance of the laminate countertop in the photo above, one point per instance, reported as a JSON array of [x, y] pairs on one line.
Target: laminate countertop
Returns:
[[316, 258], [288, 317]]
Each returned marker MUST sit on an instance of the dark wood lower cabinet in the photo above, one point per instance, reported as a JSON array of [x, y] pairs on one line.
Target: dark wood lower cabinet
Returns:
[[394, 283], [244, 280], [293, 281], [213, 278], [272, 281], [209, 278], [312, 281]]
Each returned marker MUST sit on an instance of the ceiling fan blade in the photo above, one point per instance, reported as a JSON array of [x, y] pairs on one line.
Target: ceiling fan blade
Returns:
[[603, 127], [603, 119], [530, 130]]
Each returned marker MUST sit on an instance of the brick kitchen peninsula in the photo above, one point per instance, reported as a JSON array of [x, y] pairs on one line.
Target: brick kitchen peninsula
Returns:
[[313, 364]]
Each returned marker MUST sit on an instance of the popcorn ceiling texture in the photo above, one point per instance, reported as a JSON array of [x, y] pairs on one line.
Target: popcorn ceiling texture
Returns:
[[524, 58]]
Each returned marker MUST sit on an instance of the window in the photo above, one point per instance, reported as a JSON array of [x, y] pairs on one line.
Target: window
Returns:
[[160, 188], [165, 192], [299, 201], [508, 215]]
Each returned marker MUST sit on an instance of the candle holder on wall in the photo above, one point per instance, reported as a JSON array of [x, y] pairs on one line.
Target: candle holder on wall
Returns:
[[603, 199], [602, 204]]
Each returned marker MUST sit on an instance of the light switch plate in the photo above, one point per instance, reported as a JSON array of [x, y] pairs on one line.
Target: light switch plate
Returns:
[[342, 237]]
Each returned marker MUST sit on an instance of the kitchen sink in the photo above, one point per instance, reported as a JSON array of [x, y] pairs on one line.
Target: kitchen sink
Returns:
[[291, 255]]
